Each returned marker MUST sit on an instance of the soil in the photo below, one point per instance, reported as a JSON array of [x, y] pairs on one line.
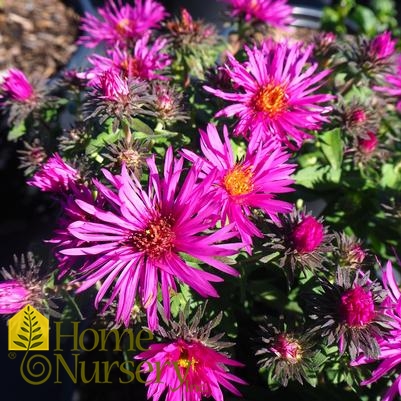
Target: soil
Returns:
[[36, 36]]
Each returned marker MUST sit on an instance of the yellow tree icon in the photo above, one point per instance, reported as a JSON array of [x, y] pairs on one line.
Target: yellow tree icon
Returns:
[[28, 330]]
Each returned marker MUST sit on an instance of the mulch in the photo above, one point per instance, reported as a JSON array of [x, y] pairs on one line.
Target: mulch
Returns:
[[36, 36]]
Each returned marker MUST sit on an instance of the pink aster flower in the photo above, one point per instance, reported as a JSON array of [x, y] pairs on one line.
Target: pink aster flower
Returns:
[[54, 176], [244, 184], [146, 62], [276, 13], [16, 86], [275, 96], [138, 238], [121, 23], [308, 235], [188, 371], [390, 346]]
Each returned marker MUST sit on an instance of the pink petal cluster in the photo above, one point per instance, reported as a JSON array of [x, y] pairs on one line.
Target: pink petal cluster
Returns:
[[393, 84], [13, 296], [368, 145], [241, 185], [188, 371], [307, 235], [16, 86], [55, 176], [357, 307], [275, 95], [121, 23], [276, 13], [112, 86], [287, 348], [382, 46], [147, 61], [138, 238], [390, 346]]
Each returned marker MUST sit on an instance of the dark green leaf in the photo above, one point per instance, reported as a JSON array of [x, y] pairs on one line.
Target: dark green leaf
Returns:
[[34, 345]]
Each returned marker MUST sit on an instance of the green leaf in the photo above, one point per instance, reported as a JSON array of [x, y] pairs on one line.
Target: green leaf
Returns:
[[139, 126], [391, 176], [22, 337], [102, 140], [310, 176], [332, 148], [17, 131], [20, 344], [24, 330], [34, 345], [366, 20], [35, 330]]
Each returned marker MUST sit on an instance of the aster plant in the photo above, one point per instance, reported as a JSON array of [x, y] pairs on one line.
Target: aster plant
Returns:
[[254, 170]]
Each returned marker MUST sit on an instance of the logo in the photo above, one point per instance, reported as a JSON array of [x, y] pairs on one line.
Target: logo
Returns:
[[28, 330]]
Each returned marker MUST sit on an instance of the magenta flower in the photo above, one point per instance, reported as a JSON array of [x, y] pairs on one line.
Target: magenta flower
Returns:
[[146, 62], [189, 371], [54, 176], [244, 184], [276, 13], [13, 296], [21, 286], [308, 235], [112, 86], [138, 238], [16, 86], [369, 144], [382, 46], [357, 307], [274, 97], [390, 346], [121, 23]]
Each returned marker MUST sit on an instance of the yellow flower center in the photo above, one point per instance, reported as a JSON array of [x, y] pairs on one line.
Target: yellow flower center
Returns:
[[185, 362], [238, 181], [270, 99], [123, 25]]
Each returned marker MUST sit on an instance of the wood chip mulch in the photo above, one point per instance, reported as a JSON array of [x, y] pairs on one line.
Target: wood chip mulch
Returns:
[[36, 36]]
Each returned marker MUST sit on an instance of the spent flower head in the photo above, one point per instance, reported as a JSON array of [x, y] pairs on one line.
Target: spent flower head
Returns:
[[286, 355], [32, 156]]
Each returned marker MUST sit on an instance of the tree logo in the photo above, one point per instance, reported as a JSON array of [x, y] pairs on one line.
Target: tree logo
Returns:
[[28, 330]]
